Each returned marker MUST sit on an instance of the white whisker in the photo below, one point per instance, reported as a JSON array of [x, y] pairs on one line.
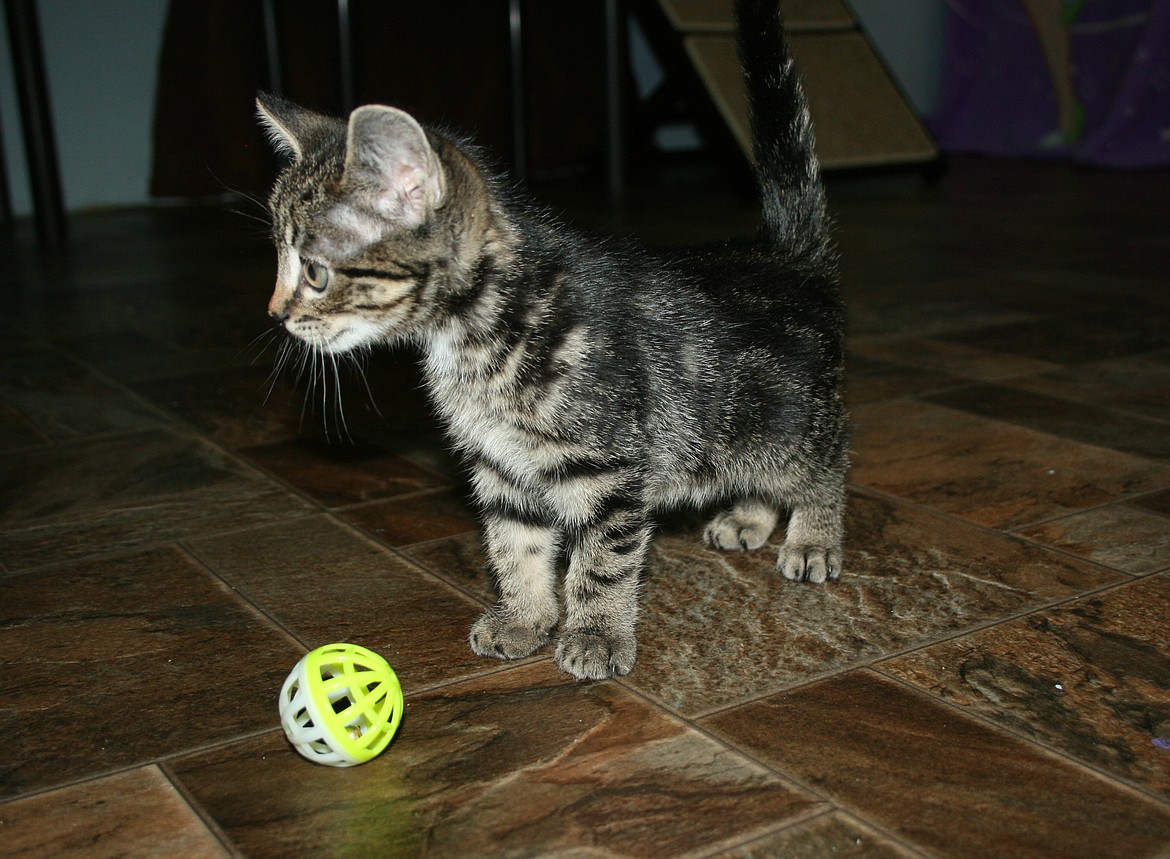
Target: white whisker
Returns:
[[307, 363], [361, 365], [343, 425], [282, 355], [268, 336]]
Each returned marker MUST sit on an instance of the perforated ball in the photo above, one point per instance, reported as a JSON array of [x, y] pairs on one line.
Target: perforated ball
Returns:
[[341, 705]]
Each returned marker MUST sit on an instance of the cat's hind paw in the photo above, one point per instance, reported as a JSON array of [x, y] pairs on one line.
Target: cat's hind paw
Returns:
[[746, 527], [596, 656], [816, 564], [495, 636]]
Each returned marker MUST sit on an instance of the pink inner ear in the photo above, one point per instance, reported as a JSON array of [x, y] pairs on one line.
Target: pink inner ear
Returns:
[[401, 193], [404, 177], [407, 178]]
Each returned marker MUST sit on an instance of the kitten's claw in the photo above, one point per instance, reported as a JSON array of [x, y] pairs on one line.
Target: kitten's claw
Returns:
[[814, 564], [593, 656], [493, 635]]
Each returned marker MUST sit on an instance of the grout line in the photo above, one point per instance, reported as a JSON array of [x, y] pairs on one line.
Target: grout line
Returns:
[[222, 743], [246, 601], [723, 848], [398, 553], [931, 641], [102, 775], [1009, 533], [1072, 556], [497, 667], [912, 850], [1121, 499], [144, 548], [1014, 533], [451, 582], [90, 778], [856, 821], [123, 553], [1113, 779], [1120, 411], [835, 803], [198, 810], [450, 489], [453, 585], [693, 724]]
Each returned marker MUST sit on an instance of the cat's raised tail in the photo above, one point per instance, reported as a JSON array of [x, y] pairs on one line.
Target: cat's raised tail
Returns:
[[787, 170]]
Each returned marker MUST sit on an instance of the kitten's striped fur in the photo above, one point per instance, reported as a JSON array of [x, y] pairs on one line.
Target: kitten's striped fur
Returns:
[[587, 384]]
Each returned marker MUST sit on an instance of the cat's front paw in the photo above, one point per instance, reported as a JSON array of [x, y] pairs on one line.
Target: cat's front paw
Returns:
[[816, 564], [596, 656], [496, 636]]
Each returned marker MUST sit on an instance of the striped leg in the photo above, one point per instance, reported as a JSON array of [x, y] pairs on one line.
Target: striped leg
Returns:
[[522, 552], [606, 556]]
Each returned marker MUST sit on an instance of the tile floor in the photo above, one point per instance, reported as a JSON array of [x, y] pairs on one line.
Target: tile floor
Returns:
[[990, 678]]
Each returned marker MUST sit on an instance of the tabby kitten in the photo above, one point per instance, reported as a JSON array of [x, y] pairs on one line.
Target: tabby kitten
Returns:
[[586, 384]]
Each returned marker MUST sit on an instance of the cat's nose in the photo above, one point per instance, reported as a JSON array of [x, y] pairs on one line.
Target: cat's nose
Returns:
[[279, 310]]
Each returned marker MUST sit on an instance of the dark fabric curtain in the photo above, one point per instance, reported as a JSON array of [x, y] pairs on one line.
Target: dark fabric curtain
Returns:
[[447, 62]]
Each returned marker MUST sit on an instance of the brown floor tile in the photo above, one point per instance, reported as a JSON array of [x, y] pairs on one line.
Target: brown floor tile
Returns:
[[241, 405], [126, 492], [237, 406], [459, 560], [1136, 384], [130, 356], [67, 401], [1159, 502], [414, 518], [869, 380], [988, 471], [523, 762], [1124, 536], [108, 664], [953, 359], [137, 813], [340, 474], [947, 784], [1091, 678], [326, 584], [886, 303], [201, 311], [718, 628], [1090, 424], [1078, 336], [836, 835]]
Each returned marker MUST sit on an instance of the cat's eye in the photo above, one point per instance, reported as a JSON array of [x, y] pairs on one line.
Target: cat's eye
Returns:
[[315, 275]]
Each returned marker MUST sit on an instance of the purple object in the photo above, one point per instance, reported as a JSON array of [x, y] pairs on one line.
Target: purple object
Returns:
[[1162, 742], [1087, 80]]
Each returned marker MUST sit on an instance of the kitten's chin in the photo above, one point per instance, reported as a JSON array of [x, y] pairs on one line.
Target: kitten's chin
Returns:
[[345, 340]]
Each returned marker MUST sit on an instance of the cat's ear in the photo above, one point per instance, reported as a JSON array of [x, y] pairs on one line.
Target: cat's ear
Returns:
[[387, 154], [289, 126]]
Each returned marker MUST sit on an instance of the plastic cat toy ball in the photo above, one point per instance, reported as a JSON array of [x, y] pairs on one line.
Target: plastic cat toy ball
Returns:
[[341, 705]]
